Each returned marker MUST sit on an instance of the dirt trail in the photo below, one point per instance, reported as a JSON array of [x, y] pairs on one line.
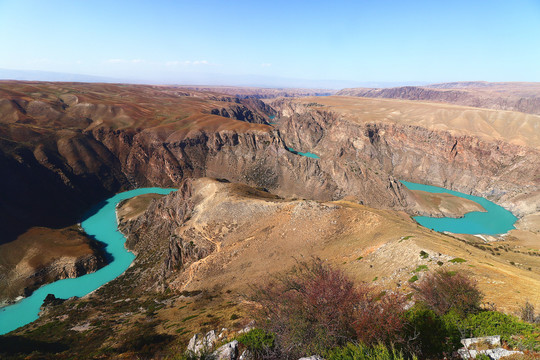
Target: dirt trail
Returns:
[[195, 266]]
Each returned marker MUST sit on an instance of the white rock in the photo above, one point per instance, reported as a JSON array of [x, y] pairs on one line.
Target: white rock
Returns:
[[198, 343], [246, 355], [228, 351], [313, 357], [494, 354], [494, 340]]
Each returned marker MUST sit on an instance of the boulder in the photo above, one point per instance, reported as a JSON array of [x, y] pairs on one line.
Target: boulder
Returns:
[[228, 351], [199, 343]]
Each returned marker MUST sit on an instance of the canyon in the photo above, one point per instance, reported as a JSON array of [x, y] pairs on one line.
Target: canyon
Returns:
[[247, 206]]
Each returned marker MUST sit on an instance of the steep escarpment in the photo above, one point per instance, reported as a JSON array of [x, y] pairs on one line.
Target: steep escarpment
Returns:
[[43, 255], [433, 147], [523, 97]]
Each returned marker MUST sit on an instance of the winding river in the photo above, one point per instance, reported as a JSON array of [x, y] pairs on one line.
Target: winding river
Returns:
[[496, 219], [101, 223]]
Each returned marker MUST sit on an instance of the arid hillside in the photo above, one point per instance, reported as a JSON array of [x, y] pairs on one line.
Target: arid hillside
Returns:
[[513, 96]]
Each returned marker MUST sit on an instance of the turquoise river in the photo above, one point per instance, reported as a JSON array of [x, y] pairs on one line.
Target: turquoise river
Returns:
[[100, 223], [496, 219]]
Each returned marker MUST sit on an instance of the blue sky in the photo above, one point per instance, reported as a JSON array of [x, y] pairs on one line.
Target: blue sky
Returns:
[[231, 41]]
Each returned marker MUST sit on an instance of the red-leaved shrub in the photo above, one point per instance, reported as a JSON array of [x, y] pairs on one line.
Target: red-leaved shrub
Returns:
[[381, 320], [314, 308], [444, 290]]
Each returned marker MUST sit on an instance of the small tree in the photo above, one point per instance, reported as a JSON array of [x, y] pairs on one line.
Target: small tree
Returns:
[[310, 309], [444, 290]]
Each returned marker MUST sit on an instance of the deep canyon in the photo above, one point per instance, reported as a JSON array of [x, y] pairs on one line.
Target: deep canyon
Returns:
[[65, 146]]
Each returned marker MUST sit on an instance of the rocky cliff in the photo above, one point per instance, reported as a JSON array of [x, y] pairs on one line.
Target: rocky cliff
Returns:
[[378, 139], [139, 139]]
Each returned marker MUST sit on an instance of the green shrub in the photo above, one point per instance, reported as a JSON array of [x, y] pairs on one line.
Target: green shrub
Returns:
[[421, 268], [362, 352], [457, 260], [258, 342], [413, 278], [512, 330], [432, 336]]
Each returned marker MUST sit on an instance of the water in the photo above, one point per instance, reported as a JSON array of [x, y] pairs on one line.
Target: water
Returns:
[[496, 219], [100, 223], [306, 154]]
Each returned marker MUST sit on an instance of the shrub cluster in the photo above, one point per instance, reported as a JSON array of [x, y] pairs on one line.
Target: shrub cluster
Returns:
[[316, 309]]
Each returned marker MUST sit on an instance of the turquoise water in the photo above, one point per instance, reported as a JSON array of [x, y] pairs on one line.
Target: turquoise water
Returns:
[[101, 223], [497, 220], [306, 154]]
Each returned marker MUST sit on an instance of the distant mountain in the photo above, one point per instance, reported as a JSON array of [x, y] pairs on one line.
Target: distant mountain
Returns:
[[514, 96]]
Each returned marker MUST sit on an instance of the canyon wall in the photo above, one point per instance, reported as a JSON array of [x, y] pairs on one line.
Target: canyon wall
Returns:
[[493, 168]]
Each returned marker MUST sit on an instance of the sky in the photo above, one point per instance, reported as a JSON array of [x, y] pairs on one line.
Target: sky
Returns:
[[275, 43]]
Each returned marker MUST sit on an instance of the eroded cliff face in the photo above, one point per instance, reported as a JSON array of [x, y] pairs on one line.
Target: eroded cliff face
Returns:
[[477, 164], [43, 255]]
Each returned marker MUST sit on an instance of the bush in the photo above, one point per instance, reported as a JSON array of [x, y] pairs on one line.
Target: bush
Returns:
[[527, 312], [363, 352], [513, 331], [432, 336], [443, 291], [259, 342], [311, 308], [382, 320]]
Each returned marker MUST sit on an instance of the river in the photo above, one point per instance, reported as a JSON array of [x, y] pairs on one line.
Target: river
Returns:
[[101, 223], [496, 220]]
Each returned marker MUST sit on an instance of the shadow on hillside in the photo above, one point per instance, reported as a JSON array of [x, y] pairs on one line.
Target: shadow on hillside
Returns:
[[18, 345]]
